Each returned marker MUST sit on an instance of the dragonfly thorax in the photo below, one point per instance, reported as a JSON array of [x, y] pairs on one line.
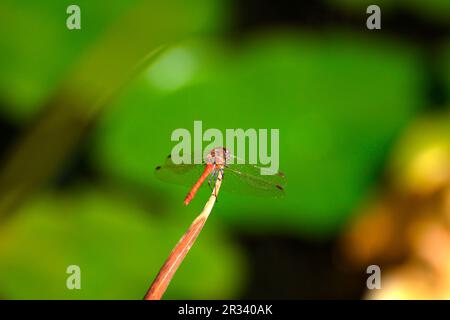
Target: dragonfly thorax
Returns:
[[219, 155]]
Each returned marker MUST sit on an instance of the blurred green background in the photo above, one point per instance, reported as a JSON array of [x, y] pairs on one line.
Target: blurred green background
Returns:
[[86, 115]]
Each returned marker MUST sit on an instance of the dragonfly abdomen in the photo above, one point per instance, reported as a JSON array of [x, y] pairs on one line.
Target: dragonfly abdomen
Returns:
[[208, 169]]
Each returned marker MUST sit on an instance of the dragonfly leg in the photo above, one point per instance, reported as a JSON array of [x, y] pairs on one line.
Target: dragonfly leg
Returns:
[[222, 171], [211, 176], [217, 178]]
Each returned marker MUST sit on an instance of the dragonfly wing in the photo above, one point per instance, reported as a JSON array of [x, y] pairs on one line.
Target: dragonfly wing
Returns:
[[249, 180], [181, 174], [239, 178]]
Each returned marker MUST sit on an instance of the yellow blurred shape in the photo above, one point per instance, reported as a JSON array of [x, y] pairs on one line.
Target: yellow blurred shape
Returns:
[[430, 169]]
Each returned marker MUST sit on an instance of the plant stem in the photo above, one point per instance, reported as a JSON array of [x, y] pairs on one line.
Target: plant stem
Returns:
[[167, 271]]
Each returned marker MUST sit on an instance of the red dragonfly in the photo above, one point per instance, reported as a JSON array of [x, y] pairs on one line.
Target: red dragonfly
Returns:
[[241, 178]]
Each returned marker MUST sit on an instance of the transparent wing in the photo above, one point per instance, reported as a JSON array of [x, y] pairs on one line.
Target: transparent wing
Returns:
[[247, 178], [238, 178], [181, 174]]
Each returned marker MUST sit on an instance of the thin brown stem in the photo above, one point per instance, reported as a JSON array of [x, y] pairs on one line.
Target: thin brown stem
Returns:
[[167, 271]]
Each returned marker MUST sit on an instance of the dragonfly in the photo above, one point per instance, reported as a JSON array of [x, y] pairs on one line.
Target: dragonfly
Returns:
[[237, 177]]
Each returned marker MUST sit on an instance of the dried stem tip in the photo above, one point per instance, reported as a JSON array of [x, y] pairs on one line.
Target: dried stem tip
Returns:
[[178, 253]]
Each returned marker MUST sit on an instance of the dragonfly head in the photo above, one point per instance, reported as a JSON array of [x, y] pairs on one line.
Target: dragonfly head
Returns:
[[219, 155]]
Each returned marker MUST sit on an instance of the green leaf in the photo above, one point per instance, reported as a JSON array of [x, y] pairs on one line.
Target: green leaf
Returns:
[[33, 66], [339, 102], [118, 245]]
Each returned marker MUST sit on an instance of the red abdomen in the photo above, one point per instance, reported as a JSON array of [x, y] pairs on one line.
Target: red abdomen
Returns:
[[208, 169]]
